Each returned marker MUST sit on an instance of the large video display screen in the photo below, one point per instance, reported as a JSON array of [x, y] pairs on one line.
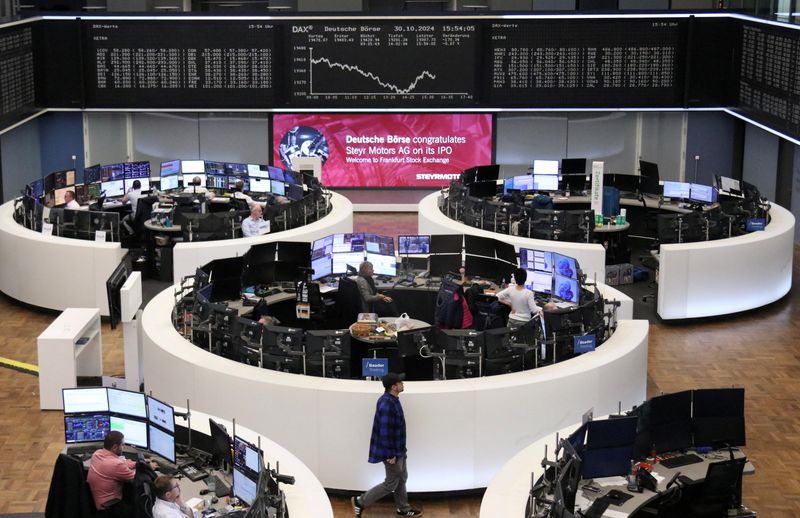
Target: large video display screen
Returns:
[[385, 150]]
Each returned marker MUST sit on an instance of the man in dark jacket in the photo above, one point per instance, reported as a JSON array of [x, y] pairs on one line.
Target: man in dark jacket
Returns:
[[388, 445]]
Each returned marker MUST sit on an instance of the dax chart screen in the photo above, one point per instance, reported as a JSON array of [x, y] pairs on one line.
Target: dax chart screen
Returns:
[[371, 64]]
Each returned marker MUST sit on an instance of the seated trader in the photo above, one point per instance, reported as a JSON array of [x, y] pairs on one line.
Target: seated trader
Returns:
[[194, 186], [255, 225], [239, 195], [520, 300], [71, 204], [107, 472], [371, 300], [169, 503], [133, 195]]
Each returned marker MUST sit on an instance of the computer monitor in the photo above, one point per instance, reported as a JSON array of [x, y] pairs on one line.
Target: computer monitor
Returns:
[[574, 182], [84, 400], [478, 245], [538, 260], [85, 428], [322, 247], [609, 447], [486, 268], [277, 187], [410, 341], [246, 455], [565, 266], [276, 173], [188, 179], [462, 340], [322, 266], [649, 185], [348, 243], [91, 174], [113, 188], [260, 185], [498, 342], [231, 181], [217, 181], [566, 288], [718, 417], [295, 251], [627, 182], [545, 182], [329, 339], [442, 264], [419, 244], [545, 167], [521, 182], [170, 168], [671, 422], [576, 166], [377, 244], [295, 192], [385, 265], [193, 167], [284, 338], [540, 282], [577, 439], [649, 169], [245, 486], [126, 403], [342, 260], [220, 445], [135, 431], [59, 195], [161, 414], [702, 193], [161, 443], [678, 190], [257, 171], [169, 183], [446, 243], [729, 185]]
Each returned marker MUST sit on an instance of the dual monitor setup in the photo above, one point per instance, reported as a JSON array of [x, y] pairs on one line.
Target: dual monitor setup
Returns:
[[655, 431], [551, 273]]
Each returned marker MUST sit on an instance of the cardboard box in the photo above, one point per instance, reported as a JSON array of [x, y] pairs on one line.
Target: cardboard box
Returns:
[[626, 273], [612, 275]]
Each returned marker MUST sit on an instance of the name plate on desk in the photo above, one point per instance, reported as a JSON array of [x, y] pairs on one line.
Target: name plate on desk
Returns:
[[584, 344], [100, 235], [378, 367], [755, 224], [47, 229]]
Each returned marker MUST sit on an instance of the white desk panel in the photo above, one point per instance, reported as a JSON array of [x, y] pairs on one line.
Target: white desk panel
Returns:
[[591, 256], [460, 432], [728, 275], [187, 257], [54, 272]]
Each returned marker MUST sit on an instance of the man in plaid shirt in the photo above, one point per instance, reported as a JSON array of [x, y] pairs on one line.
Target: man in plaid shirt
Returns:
[[388, 445]]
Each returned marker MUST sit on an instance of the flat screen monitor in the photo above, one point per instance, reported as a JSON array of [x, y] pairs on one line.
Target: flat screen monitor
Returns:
[[246, 456], [671, 422], [188, 179], [244, 487], [322, 266], [627, 182], [235, 169], [702, 193], [483, 267], [566, 288], [261, 185], [576, 166], [342, 260], [545, 182], [442, 264], [649, 169], [577, 439], [565, 265], [161, 443], [296, 252], [537, 260], [276, 173], [215, 168], [574, 182], [729, 185], [170, 168], [522, 182], [193, 167], [217, 181], [322, 247], [160, 413], [446, 243], [348, 243], [59, 195], [91, 174], [127, 403], [277, 187], [678, 190], [220, 444], [648, 185], [718, 417], [232, 180], [113, 188], [376, 244], [257, 171], [169, 183], [609, 447], [385, 265], [85, 428], [478, 245], [407, 245], [84, 400], [295, 192], [540, 282], [135, 432], [545, 167]]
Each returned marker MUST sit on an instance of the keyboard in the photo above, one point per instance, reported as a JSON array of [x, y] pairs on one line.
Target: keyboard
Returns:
[[681, 460], [221, 487], [82, 449], [192, 473], [167, 469]]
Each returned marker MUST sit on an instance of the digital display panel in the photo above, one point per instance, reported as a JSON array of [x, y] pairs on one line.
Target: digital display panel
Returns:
[[342, 260], [680, 190], [545, 167], [260, 185], [169, 183], [127, 403], [368, 63], [522, 182], [135, 432], [413, 244], [244, 487], [257, 171], [566, 288], [277, 187], [113, 189], [170, 168], [383, 264], [83, 400], [376, 244], [385, 150], [161, 443], [160, 414], [322, 247], [276, 173], [59, 195], [169, 63], [17, 81], [85, 428], [246, 455], [565, 266], [545, 182], [188, 179], [702, 193], [540, 282], [348, 243], [537, 260], [193, 166], [322, 266]]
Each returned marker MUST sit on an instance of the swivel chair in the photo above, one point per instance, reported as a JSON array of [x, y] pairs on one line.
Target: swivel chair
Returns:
[[721, 490]]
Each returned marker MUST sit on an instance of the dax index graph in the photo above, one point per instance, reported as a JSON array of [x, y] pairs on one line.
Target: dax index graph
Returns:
[[367, 65]]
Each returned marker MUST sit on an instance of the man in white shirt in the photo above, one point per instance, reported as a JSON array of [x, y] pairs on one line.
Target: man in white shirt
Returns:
[[239, 195], [169, 503], [71, 204], [195, 187], [254, 225], [133, 195]]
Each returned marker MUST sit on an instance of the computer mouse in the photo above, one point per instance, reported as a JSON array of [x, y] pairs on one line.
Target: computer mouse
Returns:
[[214, 500]]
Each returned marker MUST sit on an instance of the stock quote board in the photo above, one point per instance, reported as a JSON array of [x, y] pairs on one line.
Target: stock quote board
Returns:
[[17, 88], [769, 80], [173, 63], [588, 63], [403, 63]]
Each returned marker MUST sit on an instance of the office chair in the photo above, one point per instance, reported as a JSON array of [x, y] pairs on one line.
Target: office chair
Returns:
[[348, 302], [69, 493], [239, 204], [721, 490]]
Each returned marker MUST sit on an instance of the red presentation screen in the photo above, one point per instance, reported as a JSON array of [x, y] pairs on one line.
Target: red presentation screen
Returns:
[[386, 150]]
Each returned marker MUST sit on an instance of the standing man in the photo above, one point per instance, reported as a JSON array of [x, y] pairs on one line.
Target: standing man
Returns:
[[388, 445], [169, 503]]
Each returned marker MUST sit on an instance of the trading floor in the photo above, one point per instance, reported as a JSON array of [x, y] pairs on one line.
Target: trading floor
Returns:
[[759, 350]]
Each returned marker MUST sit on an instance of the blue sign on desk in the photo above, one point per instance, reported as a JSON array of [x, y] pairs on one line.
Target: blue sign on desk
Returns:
[[374, 367], [754, 224], [584, 344]]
